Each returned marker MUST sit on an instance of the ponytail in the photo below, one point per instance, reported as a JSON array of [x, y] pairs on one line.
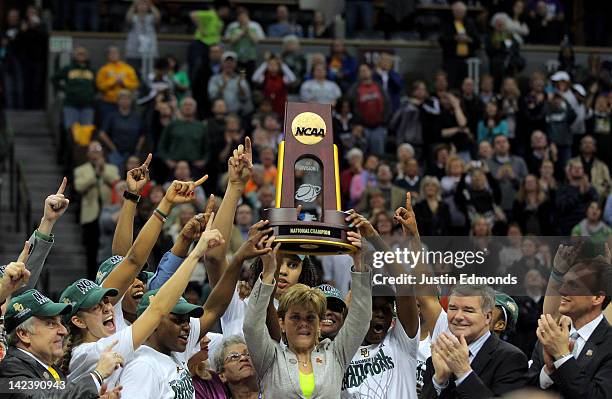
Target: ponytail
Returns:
[[74, 338]]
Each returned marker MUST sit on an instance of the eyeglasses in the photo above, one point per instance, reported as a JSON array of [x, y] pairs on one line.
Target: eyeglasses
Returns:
[[235, 356]]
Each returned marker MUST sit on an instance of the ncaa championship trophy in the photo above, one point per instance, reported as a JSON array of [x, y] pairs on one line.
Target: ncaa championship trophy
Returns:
[[308, 176]]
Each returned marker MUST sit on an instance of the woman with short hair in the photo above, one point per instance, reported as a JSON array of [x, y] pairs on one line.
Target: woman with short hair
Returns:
[[304, 364]]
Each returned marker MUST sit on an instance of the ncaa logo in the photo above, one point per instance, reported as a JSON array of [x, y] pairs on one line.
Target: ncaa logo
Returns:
[[308, 128]]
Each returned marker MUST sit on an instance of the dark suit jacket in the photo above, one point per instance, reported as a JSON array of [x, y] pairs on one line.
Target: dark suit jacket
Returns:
[[18, 366], [589, 376], [498, 368]]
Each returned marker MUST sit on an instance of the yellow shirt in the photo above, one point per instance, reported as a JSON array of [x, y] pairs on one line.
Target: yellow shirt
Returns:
[[307, 383], [114, 77], [462, 48]]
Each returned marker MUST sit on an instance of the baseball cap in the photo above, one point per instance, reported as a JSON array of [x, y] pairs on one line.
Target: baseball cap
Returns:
[[181, 307], [31, 303], [229, 54], [560, 76], [509, 308], [85, 294], [109, 265], [332, 294], [580, 89]]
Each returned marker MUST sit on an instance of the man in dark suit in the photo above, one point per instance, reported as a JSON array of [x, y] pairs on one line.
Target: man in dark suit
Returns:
[[574, 356], [470, 362], [36, 337]]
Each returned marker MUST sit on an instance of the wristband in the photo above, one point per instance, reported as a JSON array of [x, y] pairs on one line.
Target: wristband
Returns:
[[555, 275], [96, 374], [43, 236], [131, 197], [160, 215]]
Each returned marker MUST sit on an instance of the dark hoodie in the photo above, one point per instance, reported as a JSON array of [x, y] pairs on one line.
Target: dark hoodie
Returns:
[[78, 82]]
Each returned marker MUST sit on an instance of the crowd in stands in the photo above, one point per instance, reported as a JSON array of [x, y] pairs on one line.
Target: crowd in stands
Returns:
[[130, 332], [518, 157]]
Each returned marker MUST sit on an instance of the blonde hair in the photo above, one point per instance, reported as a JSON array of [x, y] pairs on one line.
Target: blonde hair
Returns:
[[450, 160], [304, 296], [430, 180]]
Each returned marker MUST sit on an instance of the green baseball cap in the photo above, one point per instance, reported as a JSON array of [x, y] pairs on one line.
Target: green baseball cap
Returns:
[[85, 294], [31, 303], [109, 265], [181, 307], [509, 308], [332, 294]]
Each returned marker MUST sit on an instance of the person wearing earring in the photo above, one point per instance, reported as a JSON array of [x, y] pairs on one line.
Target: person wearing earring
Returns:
[[305, 364]]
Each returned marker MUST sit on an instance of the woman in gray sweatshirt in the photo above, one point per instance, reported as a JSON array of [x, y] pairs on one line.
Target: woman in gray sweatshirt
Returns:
[[305, 367]]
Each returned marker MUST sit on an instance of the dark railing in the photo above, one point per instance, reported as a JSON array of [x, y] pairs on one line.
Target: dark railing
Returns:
[[20, 201]]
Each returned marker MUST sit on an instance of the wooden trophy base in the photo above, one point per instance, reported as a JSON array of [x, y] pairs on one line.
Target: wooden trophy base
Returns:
[[309, 238]]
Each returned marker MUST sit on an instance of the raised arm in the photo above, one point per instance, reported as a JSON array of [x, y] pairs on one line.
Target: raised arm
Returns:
[[240, 169], [123, 275], [564, 259], [136, 179], [357, 321], [42, 239], [172, 259], [221, 295], [171, 291], [256, 335], [407, 312]]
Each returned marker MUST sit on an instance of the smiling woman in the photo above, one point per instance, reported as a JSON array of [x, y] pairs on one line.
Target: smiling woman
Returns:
[[306, 364]]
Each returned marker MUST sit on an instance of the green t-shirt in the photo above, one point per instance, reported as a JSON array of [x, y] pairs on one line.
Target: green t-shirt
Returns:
[[182, 79], [244, 47], [183, 140], [209, 27]]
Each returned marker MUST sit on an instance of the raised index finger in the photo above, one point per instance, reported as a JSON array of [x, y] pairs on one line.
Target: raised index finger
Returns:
[[62, 186], [201, 181], [210, 205], [210, 221], [247, 146], [25, 252], [148, 160], [408, 202]]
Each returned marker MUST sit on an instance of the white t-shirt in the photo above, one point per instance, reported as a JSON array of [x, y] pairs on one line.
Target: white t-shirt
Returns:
[[233, 318], [385, 370], [86, 356], [153, 375], [425, 347], [120, 322]]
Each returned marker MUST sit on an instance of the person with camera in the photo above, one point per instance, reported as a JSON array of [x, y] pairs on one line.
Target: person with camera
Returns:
[[231, 86]]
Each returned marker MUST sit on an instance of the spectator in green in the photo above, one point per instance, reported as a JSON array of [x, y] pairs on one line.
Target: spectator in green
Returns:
[[243, 35], [178, 77], [593, 227], [77, 81], [184, 139], [209, 28]]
